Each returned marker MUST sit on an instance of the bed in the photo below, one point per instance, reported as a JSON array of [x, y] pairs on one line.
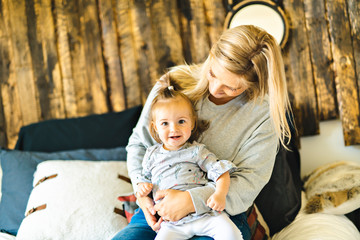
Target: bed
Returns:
[[67, 179]]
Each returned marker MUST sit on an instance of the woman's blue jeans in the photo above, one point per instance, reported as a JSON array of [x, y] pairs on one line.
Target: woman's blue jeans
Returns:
[[139, 229]]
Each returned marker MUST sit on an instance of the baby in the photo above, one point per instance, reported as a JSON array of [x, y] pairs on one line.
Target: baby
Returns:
[[178, 162]]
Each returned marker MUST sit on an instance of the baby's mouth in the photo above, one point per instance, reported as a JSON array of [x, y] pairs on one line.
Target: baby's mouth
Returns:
[[175, 137]]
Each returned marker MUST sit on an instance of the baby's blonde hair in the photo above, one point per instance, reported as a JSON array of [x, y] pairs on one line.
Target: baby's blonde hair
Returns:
[[253, 54], [171, 91]]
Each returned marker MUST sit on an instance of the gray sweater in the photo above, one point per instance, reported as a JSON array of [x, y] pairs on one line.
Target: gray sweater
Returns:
[[240, 131]]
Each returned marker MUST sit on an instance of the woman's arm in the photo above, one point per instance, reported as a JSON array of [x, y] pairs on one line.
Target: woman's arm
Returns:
[[254, 160], [139, 141]]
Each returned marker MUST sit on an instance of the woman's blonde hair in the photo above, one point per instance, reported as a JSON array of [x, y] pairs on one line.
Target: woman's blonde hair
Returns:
[[254, 55], [170, 90]]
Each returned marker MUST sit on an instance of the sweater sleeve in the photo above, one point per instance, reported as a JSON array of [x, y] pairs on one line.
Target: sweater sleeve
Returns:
[[146, 175], [254, 162], [139, 141]]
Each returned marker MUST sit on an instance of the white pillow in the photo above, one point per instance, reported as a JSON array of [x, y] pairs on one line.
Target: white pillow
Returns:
[[5, 236], [80, 201], [333, 188], [319, 226]]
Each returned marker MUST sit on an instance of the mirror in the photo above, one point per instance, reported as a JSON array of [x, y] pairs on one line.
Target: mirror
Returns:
[[264, 13]]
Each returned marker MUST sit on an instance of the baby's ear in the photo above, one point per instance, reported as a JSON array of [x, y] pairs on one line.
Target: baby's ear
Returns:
[[193, 124], [153, 126]]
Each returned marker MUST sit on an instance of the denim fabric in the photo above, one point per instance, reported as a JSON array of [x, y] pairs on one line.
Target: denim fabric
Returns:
[[139, 229]]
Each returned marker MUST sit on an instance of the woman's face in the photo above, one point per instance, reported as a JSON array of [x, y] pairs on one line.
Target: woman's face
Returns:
[[223, 84]]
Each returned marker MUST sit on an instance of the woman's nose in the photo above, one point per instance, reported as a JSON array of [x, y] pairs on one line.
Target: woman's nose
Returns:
[[216, 86]]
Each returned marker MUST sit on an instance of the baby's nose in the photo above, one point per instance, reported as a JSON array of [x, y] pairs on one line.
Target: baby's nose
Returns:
[[173, 127]]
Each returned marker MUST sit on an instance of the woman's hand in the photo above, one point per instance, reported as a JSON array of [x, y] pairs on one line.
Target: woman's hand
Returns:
[[147, 205], [174, 204]]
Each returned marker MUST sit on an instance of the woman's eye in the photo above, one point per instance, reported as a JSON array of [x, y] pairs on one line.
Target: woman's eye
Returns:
[[232, 89], [211, 73], [181, 121]]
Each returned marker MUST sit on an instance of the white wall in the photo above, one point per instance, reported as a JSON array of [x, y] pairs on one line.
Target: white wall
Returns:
[[326, 148]]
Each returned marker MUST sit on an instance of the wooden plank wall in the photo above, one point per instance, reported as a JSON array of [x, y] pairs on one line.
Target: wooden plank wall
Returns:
[[70, 58]]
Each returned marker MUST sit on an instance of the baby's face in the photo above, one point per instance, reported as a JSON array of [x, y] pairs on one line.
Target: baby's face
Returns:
[[173, 123]]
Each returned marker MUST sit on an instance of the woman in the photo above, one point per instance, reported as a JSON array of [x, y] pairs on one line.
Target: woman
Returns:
[[241, 90]]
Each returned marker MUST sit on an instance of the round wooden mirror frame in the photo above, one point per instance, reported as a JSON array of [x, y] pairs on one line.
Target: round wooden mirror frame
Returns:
[[247, 7]]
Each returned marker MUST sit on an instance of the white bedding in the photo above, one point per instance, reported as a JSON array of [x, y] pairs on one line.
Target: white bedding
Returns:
[[319, 226], [4, 236]]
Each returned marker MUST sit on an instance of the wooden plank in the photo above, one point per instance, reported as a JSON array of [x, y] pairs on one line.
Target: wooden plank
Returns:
[[354, 16], [144, 48], [94, 64], [193, 27], [185, 14], [305, 106], [45, 64], [291, 85], [10, 101], [111, 56], [346, 84], [81, 84], [166, 34], [4, 74], [127, 53], [215, 13], [3, 143], [321, 58], [30, 108], [65, 60]]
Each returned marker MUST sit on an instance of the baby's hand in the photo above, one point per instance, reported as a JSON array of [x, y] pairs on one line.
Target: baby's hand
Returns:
[[216, 202], [144, 189]]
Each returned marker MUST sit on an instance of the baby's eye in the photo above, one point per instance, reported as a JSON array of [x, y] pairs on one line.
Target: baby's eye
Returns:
[[181, 121], [164, 124]]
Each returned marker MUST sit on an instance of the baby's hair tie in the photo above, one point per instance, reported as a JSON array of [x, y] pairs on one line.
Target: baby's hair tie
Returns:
[[171, 88]]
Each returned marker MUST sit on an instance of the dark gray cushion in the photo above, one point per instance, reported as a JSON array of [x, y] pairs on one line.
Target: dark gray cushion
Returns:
[[107, 130]]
